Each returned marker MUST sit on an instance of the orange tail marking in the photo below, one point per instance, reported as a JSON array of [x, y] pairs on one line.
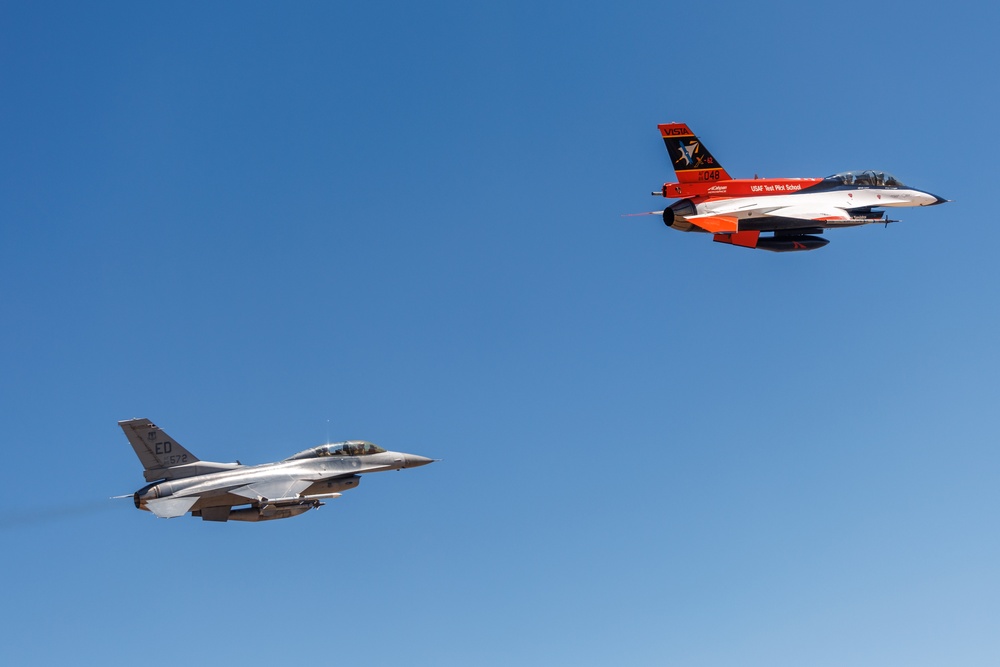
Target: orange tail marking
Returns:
[[691, 160]]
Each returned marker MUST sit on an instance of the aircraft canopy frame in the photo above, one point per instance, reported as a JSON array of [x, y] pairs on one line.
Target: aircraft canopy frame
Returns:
[[349, 448], [865, 178]]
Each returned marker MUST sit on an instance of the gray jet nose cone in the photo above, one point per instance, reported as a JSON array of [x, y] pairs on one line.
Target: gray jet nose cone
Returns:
[[412, 460]]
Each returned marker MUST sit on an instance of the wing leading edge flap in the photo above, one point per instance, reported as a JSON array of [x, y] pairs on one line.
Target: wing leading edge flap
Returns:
[[273, 488]]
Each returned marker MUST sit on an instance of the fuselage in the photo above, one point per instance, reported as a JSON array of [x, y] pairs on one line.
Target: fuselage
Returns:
[[771, 204], [213, 488], [180, 482], [736, 211]]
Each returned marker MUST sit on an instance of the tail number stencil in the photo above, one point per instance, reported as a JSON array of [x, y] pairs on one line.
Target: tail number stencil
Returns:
[[163, 450]]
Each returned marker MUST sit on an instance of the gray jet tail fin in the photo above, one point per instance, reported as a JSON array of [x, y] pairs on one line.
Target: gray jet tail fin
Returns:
[[155, 449], [161, 456]]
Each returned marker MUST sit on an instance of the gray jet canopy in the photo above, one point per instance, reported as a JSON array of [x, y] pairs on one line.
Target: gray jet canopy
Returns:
[[180, 482], [349, 448]]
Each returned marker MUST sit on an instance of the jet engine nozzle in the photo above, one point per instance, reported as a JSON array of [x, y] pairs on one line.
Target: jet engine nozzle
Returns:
[[148, 492], [673, 216]]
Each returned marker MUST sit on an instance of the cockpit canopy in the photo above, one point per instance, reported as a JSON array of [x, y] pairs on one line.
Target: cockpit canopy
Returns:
[[349, 448], [867, 178]]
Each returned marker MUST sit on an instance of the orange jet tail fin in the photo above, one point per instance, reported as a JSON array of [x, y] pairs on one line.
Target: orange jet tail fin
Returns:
[[691, 160]]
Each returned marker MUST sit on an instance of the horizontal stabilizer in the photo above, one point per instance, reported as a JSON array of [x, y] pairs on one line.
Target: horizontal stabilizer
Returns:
[[714, 223], [168, 508]]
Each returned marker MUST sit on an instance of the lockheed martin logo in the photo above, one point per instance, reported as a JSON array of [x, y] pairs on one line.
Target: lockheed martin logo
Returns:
[[688, 151]]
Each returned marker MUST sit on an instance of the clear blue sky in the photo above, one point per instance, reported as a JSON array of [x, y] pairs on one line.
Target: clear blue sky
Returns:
[[263, 226]]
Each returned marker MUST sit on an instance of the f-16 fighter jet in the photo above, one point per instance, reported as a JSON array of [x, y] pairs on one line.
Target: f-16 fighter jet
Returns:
[[791, 210], [182, 483]]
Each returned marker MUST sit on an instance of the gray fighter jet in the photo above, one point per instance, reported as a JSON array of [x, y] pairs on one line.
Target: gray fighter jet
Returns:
[[182, 483]]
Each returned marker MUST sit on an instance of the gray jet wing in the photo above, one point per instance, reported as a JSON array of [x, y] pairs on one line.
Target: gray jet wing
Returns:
[[273, 489]]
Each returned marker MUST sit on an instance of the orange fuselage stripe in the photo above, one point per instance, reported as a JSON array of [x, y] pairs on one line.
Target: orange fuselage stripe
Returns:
[[736, 187]]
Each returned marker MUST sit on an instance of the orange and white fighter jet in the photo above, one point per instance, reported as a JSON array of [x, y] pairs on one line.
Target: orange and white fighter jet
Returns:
[[791, 210]]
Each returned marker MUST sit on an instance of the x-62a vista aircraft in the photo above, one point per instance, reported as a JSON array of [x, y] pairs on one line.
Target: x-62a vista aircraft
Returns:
[[181, 483], [791, 210]]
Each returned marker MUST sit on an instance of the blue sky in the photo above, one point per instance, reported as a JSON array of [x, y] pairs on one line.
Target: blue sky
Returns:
[[265, 227]]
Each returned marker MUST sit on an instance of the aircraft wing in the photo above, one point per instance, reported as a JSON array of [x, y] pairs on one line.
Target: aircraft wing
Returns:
[[815, 213], [721, 223], [281, 487]]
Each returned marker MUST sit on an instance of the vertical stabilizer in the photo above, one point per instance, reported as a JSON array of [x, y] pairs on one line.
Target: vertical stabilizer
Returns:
[[155, 449], [691, 160]]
